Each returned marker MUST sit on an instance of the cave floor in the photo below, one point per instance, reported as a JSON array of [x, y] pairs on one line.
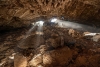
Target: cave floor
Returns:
[[55, 47]]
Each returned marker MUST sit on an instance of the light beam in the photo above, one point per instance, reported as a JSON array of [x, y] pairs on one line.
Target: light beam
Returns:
[[73, 25]]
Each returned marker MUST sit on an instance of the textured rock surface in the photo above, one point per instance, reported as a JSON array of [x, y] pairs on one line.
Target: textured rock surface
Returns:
[[75, 52], [20, 13], [36, 60], [57, 47], [20, 61], [57, 57]]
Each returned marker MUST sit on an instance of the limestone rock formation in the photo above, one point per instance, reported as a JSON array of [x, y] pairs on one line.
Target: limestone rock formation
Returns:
[[20, 13], [25, 44]]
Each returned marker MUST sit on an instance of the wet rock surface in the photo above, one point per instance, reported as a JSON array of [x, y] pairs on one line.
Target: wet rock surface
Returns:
[[58, 47]]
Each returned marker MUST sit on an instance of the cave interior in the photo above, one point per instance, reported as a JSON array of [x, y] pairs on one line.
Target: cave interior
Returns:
[[49, 33]]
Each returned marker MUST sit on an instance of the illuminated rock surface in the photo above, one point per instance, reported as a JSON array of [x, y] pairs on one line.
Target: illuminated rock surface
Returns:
[[20, 13], [60, 45], [75, 51]]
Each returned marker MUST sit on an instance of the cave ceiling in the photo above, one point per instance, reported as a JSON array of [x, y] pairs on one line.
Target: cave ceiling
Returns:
[[20, 13]]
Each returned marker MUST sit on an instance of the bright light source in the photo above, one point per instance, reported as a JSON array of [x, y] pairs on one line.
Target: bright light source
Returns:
[[40, 23], [53, 20]]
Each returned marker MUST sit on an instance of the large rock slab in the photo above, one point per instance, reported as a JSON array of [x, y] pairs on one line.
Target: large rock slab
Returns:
[[57, 57]]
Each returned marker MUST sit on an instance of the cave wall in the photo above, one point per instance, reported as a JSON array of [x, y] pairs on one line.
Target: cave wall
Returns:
[[18, 13]]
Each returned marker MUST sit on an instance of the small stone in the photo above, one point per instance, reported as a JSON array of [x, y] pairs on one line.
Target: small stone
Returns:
[[96, 38], [42, 49], [71, 32]]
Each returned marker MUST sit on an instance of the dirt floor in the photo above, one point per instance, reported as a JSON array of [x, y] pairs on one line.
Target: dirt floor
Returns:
[[55, 47]]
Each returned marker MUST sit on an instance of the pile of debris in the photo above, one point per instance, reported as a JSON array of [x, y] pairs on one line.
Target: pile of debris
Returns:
[[55, 47]]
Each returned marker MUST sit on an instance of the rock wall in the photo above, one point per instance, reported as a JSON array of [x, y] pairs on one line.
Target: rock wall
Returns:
[[18, 13]]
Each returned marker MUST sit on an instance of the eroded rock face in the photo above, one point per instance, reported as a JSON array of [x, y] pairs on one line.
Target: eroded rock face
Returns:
[[20, 13]]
